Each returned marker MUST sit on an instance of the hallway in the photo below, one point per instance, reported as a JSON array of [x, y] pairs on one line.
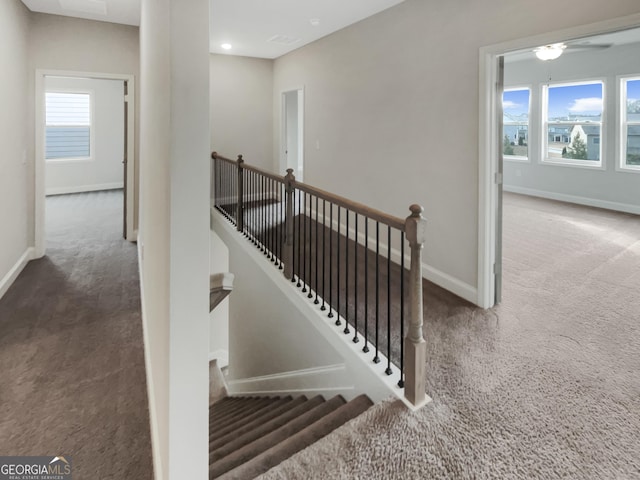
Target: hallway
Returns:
[[71, 348]]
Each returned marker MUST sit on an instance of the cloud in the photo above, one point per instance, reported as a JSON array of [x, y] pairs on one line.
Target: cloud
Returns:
[[509, 104], [582, 105]]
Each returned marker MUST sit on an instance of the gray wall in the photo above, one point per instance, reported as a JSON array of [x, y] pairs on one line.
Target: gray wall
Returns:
[[393, 101], [16, 138], [609, 187], [242, 108]]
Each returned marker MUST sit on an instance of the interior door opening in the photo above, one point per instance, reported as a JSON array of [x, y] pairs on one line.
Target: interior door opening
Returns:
[[292, 138], [84, 141]]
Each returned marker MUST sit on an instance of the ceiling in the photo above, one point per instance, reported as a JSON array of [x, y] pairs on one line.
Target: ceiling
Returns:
[[588, 44], [255, 28]]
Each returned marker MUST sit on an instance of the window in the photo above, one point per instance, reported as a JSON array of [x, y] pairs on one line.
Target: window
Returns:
[[515, 108], [630, 128], [68, 125], [573, 123]]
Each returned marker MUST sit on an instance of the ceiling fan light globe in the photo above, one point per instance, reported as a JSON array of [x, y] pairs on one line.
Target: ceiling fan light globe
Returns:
[[549, 52]]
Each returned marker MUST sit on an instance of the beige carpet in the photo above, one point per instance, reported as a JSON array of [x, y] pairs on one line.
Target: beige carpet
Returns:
[[545, 386]]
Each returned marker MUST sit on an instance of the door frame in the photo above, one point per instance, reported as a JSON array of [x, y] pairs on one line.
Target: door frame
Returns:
[[489, 241], [283, 131], [40, 164]]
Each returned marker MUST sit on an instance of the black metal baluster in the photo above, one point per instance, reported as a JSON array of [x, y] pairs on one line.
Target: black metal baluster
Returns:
[[263, 229], [300, 244], [355, 279], [304, 246], [401, 381], [316, 288], [330, 315], [346, 330], [338, 322], [324, 255], [271, 223], [376, 359], [310, 294], [282, 226], [388, 371], [365, 349]]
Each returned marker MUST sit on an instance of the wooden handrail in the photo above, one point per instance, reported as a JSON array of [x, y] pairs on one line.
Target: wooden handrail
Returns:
[[359, 208], [265, 173]]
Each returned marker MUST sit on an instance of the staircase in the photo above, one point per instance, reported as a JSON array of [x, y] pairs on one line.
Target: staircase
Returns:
[[250, 435]]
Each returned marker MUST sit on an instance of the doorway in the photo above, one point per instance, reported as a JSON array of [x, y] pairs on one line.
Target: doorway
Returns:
[[74, 167], [490, 136], [292, 128]]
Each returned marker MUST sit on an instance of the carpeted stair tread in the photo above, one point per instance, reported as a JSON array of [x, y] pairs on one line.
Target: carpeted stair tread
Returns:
[[221, 407], [231, 445], [239, 413], [298, 441], [222, 436], [226, 405], [247, 417], [255, 448]]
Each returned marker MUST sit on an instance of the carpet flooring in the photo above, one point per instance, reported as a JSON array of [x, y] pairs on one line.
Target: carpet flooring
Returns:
[[544, 386], [71, 350]]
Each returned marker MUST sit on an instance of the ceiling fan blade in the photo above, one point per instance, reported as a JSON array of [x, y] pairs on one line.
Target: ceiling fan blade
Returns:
[[585, 46]]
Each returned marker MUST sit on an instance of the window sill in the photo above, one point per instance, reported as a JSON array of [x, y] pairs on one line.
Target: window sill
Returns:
[[69, 160], [516, 158], [588, 164]]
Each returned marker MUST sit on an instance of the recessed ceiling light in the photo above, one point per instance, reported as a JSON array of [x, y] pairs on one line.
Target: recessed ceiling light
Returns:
[[226, 46], [315, 22]]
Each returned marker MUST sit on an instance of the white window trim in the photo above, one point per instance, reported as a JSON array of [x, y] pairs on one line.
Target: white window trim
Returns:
[[544, 107], [621, 144], [521, 158], [91, 156]]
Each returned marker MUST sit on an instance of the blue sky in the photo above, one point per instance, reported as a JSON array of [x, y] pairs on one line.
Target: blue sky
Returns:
[[516, 102], [633, 90], [572, 100]]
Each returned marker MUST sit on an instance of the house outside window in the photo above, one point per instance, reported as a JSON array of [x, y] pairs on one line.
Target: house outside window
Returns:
[[515, 108], [68, 126], [573, 114], [630, 123]]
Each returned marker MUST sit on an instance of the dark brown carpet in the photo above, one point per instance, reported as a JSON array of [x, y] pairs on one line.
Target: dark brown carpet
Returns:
[[71, 349], [545, 386]]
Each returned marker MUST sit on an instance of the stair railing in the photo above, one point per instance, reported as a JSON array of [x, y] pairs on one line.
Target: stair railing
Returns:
[[347, 257]]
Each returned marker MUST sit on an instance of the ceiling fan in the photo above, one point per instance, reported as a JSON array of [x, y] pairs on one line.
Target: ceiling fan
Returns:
[[554, 50]]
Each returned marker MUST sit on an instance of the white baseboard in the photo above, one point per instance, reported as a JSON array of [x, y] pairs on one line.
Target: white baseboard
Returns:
[[153, 418], [327, 380], [451, 283], [84, 188], [222, 356], [13, 273], [590, 202]]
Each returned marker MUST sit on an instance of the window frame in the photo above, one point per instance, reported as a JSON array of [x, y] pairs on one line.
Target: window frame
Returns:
[[91, 156], [519, 158], [545, 123], [621, 147]]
